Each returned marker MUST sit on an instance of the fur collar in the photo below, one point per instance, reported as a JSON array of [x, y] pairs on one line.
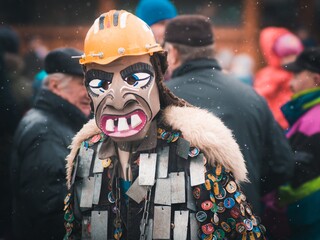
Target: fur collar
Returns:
[[201, 128]]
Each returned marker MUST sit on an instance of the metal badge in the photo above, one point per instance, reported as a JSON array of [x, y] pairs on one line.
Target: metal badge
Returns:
[[136, 191], [85, 158], [99, 224], [193, 226], [191, 203], [178, 186], [98, 166], [183, 147], [147, 169], [181, 219], [197, 170], [97, 188], [163, 191], [87, 192], [162, 221], [162, 163]]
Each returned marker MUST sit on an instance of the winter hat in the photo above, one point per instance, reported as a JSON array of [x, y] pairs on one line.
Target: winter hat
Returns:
[[60, 61], [309, 60], [190, 30], [287, 44], [153, 11], [9, 40]]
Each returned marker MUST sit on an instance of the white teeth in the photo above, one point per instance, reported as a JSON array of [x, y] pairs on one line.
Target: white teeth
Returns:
[[110, 125], [135, 120], [122, 124]]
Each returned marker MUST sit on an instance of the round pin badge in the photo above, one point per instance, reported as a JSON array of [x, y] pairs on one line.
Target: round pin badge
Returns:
[[215, 219], [248, 209], [201, 216], [219, 233], [196, 192], [95, 138], [222, 194], [224, 180], [207, 184], [110, 197], [257, 231], [221, 207], [229, 203], [207, 228], [214, 208], [176, 136], [232, 222], [225, 226], [193, 152], [237, 197], [231, 187], [248, 224], [235, 212], [241, 227], [242, 210], [206, 205]]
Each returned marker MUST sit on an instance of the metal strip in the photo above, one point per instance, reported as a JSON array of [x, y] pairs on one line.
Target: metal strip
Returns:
[[99, 224], [197, 170], [162, 163], [178, 187], [181, 219], [97, 188], [162, 221], [163, 191], [137, 192], [147, 169]]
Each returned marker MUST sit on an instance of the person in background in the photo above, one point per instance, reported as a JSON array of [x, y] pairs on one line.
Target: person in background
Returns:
[[278, 46], [34, 58], [149, 165], [14, 101], [198, 79], [156, 14], [41, 145], [303, 114]]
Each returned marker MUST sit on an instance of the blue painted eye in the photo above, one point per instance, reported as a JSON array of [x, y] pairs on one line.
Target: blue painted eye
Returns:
[[99, 86], [138, 80]]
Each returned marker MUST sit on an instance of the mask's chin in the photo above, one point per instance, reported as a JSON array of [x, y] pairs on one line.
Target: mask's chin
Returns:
[[128, 127]]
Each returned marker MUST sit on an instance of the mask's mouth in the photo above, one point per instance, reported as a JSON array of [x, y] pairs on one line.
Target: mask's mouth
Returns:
[[123, 125]]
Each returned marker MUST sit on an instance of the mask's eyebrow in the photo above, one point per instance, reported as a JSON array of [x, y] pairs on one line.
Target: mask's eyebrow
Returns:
[[97, 74], [137, 67]]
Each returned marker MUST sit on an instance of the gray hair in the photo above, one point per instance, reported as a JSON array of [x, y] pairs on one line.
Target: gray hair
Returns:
[[62, 79], [187, 53]]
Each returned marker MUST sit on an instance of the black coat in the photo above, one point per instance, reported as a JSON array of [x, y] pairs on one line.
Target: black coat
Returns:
[[266, 151], [38, 166]]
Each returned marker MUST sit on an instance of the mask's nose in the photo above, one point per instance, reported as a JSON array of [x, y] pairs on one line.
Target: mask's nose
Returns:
[[119, 95]]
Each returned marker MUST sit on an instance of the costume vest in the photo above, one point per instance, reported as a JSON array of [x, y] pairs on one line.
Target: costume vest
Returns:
[[175, 193]]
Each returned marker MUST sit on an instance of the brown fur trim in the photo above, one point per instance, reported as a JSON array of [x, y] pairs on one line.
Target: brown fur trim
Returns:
[[207, 132], [88, 130]]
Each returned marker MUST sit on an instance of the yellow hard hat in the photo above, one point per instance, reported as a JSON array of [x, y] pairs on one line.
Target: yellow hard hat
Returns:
[[115, 34]]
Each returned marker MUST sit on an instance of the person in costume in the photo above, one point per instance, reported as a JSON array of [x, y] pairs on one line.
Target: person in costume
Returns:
[[149, 165], [302, 113]]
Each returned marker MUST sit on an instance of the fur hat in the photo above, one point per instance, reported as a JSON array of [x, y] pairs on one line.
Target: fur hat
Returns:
[[190, 30]]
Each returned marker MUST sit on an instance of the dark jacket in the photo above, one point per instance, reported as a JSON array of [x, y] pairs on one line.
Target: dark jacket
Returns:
[[266, 151], [38, 166]]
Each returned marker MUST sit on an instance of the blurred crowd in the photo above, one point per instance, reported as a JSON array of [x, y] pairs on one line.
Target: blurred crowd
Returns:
[[273, 113]]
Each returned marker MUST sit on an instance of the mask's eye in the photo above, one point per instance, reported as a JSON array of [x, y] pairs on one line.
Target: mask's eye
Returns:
[[139, 80], [99, 86]]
